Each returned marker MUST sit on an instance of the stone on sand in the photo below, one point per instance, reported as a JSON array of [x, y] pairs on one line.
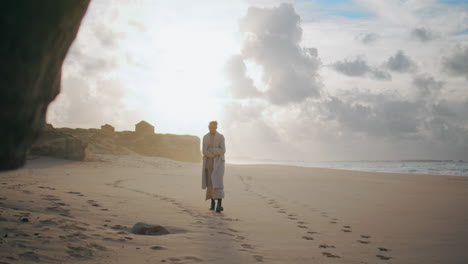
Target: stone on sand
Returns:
[[150, 230]]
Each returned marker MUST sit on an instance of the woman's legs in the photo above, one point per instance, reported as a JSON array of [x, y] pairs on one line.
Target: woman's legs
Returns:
[[219, 208], [212, 204]]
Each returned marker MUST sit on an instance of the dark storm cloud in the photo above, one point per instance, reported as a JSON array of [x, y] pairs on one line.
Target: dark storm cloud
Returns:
[[368, 38], [241, 85], [401, 63], [272, 37], [358, 67], [422, 34], [457, 63]]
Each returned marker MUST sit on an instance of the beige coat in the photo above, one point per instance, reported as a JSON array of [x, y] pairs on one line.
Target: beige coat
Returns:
[[217, 152]]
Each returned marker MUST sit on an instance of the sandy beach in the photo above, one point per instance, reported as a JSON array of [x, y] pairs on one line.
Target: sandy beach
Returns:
[[60, 211]]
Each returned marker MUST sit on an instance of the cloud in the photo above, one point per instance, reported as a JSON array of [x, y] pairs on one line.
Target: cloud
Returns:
[[84, 103], [272, 37], [401, 63], [106, 37], [368, 38], [422, 34], [457, 63], [358, 67], [241, 85], [137, 25], [88, 63], [378, 116], [427, 86]]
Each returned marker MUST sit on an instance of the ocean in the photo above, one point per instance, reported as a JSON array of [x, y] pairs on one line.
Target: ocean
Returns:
[[437, 167]]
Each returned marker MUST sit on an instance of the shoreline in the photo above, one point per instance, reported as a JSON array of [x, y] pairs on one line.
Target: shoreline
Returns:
[[378, 170]]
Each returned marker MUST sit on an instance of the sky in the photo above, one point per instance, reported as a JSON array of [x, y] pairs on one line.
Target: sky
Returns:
[[286, 80]]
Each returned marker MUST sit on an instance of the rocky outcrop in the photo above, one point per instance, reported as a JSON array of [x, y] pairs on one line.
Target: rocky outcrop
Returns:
[[177, 147], [36, 36], [150, 230], [57, 144]]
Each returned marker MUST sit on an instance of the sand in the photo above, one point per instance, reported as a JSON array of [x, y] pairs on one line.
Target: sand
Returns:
[[59, 211]]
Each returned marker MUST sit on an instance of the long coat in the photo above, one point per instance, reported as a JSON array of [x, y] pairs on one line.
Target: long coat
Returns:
[[217, 152]]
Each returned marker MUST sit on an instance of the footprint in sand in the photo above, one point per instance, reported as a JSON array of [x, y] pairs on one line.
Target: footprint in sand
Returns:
[[330, 255], [93, 203], [225, 233], [346, 229], [363, 242], [326, 246], [307, 238], [97, 246], [50, 198], [292, 218], [312, 232], [247, 246], [240, 237], [46, 187], [258, 258], [193, 258], [76, 193], [158, 248], [383, 257], [383, 249], [302, 226], [364, 236]]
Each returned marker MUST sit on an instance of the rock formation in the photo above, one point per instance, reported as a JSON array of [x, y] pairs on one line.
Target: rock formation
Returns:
[[59, 145], [150, 230], [176, 147], [36, 36]]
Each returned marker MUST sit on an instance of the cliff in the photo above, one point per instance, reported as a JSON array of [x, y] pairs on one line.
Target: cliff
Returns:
[[176, 147]]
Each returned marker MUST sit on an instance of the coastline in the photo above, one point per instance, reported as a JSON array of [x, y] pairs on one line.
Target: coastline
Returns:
[[82, 211], [432, 167]]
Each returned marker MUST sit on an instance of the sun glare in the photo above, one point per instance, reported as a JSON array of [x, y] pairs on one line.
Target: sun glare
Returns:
[[191, 85]]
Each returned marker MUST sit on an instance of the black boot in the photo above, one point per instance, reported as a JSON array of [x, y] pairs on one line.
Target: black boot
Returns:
[[219, 208], [212, 204]]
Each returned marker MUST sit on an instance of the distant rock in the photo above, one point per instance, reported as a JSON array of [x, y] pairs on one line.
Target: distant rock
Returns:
[[57, 144], [177, 147], [149, 230], [74, 143]]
